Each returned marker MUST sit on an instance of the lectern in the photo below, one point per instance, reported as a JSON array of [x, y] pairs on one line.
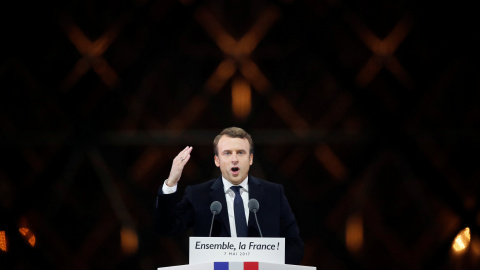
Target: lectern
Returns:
[[241, 253]]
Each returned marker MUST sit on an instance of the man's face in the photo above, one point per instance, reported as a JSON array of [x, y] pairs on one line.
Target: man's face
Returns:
[[234, 158]]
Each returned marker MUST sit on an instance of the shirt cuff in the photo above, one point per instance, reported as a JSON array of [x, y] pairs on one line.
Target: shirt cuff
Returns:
[[168, 190]]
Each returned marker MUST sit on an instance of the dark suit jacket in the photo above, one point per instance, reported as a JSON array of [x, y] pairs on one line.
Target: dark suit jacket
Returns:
[[175, 214]]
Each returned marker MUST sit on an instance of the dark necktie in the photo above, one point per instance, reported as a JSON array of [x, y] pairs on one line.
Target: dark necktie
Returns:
[[239, 210]]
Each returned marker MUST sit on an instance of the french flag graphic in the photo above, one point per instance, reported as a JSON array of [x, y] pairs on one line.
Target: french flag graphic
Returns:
[[235, 265]]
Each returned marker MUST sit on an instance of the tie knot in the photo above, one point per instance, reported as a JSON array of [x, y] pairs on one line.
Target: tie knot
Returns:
[[236, 189]]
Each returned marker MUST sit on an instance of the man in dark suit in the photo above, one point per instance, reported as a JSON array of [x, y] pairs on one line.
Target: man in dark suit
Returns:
[[233, 149]]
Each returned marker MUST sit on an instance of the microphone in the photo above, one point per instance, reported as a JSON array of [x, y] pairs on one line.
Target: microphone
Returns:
[[215, 208], [254, 206]]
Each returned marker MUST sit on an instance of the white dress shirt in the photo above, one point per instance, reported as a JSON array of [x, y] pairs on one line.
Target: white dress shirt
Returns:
[[229, 197]]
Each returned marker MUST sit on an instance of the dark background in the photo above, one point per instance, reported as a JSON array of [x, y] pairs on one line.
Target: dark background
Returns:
[[366, 111]]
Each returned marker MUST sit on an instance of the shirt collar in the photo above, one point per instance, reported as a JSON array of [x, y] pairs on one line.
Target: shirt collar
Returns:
[[227, 184]]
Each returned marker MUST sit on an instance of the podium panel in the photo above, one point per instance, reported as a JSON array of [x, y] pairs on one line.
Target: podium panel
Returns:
[[241, 253]]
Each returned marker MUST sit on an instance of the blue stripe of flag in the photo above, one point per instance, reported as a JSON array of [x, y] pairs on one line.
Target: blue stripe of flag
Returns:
[[220, 266]]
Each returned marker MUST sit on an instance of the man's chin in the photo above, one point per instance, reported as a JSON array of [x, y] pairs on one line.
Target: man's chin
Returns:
[[235, 180]]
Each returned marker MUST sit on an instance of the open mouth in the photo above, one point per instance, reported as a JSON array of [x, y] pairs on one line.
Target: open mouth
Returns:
[[235, 169]]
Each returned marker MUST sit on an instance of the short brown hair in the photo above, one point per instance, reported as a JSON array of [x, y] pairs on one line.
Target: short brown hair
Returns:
[[232, 132]]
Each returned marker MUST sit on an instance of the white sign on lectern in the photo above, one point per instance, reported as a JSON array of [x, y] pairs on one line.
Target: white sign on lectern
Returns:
[[237, 249]]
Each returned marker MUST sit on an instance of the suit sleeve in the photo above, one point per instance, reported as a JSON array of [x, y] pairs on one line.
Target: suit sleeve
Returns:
[[294, 247], [173, 214]]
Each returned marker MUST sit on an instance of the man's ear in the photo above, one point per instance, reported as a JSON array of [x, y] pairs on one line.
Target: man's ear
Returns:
[[251, 159], [217, 161]]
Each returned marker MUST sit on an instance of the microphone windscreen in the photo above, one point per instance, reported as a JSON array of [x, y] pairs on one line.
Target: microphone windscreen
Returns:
[[216, 207], [253, 205]]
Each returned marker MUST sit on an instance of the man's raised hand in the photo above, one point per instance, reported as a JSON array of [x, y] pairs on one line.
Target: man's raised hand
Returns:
[[177, 166]]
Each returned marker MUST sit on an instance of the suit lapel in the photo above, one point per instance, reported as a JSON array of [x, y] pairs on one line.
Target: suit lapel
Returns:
[[218, 194]]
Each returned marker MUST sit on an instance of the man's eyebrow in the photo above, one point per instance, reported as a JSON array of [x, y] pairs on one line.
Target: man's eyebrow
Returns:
[[237, 150]]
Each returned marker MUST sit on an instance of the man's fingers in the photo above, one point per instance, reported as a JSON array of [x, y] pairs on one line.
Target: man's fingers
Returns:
[[184, 155]]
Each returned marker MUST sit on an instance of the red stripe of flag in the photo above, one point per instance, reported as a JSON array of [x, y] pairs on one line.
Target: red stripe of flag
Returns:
[[250, 266]]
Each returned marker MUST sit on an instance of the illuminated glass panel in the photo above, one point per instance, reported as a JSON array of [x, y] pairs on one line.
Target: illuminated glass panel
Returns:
[[462, 240], [28, 235], [3, 241]]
